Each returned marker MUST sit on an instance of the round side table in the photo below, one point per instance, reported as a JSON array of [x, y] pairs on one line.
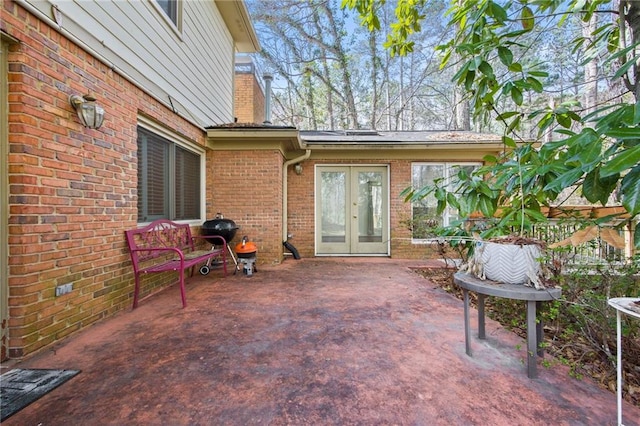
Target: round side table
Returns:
[[622, 305]]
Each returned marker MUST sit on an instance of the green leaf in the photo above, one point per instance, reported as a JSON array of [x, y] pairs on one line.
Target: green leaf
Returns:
[[636, 237], [490, 158], [514, 124], [621, 54], [462, 73], [508, 114], [544, 123], [542, 74], [624, 160], [613, 40], [564, 120], [565, 180], [486, 69], [498, 12], [469, 79], [624, 68], [535, 84], [453, 201], [630, 190], [527, 17], [536, 215], [624, 133], [596, 188], [636, 115], [516, 95], [589, 150], [509, 142], [487, 206], [505, 55], [515, 67], [474, 63], [406, 193]]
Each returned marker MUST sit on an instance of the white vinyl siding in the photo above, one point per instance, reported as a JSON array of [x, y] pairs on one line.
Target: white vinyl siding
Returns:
[[191, 71]]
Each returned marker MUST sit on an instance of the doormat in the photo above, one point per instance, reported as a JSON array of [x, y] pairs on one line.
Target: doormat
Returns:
[[20, 387]]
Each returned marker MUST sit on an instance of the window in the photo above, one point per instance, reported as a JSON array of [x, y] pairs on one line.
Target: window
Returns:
[[171, 9], [424, 212], [169, 179]]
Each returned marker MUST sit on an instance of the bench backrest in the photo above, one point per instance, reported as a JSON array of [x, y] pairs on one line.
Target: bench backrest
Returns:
[[161, 233]]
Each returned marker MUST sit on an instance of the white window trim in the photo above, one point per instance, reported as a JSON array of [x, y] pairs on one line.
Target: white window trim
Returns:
[[185, 143], [447, 167], [175, 27]]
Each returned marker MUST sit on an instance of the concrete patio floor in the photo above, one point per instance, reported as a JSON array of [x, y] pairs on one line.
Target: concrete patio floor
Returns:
[[326, 341]]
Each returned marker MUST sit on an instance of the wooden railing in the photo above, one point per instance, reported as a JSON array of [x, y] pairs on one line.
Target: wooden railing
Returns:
[[594, 250]]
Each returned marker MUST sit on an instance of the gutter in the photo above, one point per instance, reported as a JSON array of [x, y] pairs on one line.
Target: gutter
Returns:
[[285, 211]]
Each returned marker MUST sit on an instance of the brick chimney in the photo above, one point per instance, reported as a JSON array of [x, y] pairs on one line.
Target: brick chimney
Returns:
[[249, 99]]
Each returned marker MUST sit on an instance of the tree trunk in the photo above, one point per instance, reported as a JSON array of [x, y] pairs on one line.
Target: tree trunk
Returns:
[[375, 65], [461, 110], [327, 74], [590, 69], [632, 19]]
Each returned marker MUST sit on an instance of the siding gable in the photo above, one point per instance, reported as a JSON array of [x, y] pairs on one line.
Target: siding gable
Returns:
[[191, 72]]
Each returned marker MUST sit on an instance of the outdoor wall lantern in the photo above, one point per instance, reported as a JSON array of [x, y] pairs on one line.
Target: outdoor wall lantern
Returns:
[[89, 112], [298, 168]]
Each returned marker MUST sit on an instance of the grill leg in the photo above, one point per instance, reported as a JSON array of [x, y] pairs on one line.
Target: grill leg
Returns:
[[233, 256]]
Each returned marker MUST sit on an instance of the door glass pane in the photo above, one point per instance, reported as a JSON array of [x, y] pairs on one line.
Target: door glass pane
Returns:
[[369, 207], [334, 202]]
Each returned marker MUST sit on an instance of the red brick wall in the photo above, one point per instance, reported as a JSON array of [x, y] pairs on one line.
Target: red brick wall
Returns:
[[301, 205], [72, 190], [249, 99], [246, 186]]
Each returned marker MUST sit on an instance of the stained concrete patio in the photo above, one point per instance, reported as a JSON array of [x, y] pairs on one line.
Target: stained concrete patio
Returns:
[[329, 341]]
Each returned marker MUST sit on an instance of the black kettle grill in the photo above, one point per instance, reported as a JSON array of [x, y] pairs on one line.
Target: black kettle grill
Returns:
[[225, 228]]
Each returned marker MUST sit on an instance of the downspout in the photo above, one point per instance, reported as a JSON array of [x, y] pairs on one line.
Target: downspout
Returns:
[[285, 180]]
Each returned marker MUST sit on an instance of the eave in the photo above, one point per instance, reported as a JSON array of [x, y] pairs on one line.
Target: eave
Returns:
[[436, 145], [236, 16], [284, 139]]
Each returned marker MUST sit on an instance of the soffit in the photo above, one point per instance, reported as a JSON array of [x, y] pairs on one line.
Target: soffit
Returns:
[[236, 16]]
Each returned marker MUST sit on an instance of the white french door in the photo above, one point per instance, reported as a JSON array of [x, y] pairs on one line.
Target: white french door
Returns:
[[352, 210]]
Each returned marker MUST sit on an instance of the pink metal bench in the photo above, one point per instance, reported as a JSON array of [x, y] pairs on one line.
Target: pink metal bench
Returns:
[[164, 246]]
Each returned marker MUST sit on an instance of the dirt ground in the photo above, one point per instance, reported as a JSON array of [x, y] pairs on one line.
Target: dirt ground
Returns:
[[585, 359]]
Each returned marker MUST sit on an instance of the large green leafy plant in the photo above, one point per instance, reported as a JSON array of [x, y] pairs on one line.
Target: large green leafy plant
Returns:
[[596, 150], [508, 192]]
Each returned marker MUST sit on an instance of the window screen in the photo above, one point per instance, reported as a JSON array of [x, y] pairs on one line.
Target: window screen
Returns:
[[168, 179]]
